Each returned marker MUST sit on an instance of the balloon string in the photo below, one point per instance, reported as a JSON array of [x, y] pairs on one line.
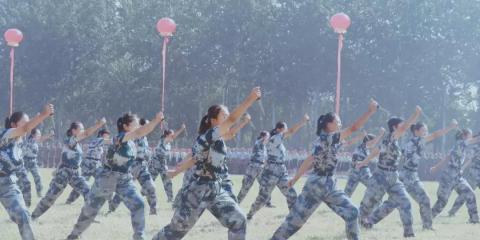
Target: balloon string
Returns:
[[164, 57], [12, 65], [339, 63]]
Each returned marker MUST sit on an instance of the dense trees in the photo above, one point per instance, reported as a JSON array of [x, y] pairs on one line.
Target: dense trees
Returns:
[[85, 55]]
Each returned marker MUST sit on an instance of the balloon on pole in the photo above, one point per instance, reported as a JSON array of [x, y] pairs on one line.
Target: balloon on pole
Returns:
[[13, 37], [166, 27], [340, 23]]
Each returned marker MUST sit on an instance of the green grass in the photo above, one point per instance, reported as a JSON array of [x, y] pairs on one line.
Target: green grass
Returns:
[[323, 225]]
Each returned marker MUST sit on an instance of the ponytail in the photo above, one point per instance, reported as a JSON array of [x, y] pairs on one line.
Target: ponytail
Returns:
[[73, 126], [416, 126], [206, 122], [14, 118], [166, 133], [279, 125], [323, 120], [126, 119], [263, 134]]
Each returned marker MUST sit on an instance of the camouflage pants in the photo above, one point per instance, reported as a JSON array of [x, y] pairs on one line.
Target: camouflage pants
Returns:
[[386, 182], [89, 168], [450, 180], [139, 171], [31, 165], [14, 205], [355, 177], [473, 178], [319, 189], [106, 183], [415, 188], [63, 176], [159, 168], [25, 185], [273, 175], [187, 177], [254, 171], [195, 198]]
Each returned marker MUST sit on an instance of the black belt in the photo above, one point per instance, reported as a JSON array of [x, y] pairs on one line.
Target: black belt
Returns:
[[67, 166], [3, 174], [409, 169], [388, 169], [116, 169], [140, 159], [324, 173], [204, 179], [94, 159], [255, 161], [274, 162]]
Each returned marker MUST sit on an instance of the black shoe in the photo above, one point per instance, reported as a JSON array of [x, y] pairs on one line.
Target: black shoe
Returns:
[[473, 221], [249, 217], [428, 228], [270, 205], [153, 211], [366, 224], [72, 237], [451, 214], [408, 235]]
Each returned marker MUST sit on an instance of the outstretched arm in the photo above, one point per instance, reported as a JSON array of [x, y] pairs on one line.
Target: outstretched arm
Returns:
[[306, 165], [355, 139], [46, 137], [372, 108], [234, 130], [48, 110], [254, 95], [441, 132], [91, 130], [377, 139], [406, 125], [369, 158], [179, 131], [182, 166], [296, 127], [440, 164], [145, 129]]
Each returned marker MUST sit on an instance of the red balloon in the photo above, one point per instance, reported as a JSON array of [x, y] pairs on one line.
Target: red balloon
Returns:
[[166, 27], [13, 37], [340, 22]]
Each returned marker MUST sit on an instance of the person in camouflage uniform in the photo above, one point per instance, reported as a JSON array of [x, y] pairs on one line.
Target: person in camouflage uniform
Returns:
[[452, 178], [93, 159], [414, 150], [16, 126], [275, 172], [23, 182], [68, 171], [321, 185], [30, 157], [363, 174], [114, 176], [255, 166], [472, 177], [139, 171], [385, 179], [158, 164], [206, 191]]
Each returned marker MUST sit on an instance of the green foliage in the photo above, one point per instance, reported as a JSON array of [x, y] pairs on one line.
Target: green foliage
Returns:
[[94, 58]]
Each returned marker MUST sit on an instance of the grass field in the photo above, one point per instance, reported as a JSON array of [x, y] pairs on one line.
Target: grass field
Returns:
[[59, 220]]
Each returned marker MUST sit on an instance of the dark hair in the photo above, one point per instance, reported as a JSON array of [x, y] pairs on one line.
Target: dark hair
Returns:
[[143, 121], [417, 126], [367, 138], [167, 132], [279, 125], [323, 120], [212, 113], [34, 131], [462, 133], [126, 119], [102, 132], [73, 125], [14, 118], [393, 122], [262, 135]]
